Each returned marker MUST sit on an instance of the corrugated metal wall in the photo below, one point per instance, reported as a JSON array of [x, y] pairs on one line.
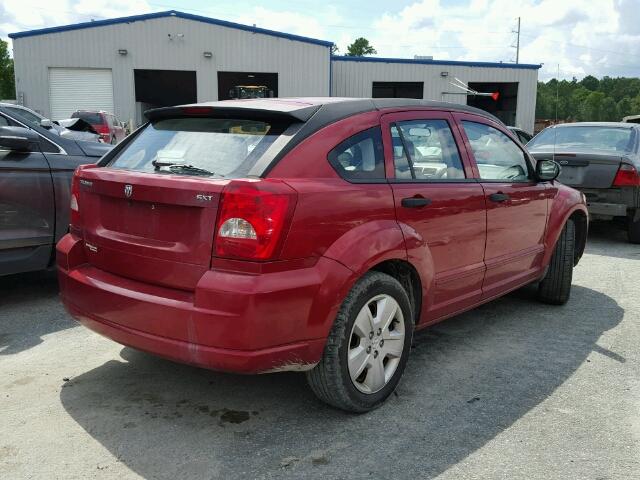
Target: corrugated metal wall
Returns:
[[355, 79], [303, 68]]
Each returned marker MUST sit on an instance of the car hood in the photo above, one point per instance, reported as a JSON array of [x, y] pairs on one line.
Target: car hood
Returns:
[[94, 149]]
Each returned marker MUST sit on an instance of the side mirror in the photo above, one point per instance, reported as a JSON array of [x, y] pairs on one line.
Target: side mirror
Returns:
[[547, 170], [46, 123], [19, 139]]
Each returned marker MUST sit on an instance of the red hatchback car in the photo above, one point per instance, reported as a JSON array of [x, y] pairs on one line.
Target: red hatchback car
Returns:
[[311, 235]]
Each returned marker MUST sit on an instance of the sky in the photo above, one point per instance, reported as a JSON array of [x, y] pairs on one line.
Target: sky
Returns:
[[574, 37]]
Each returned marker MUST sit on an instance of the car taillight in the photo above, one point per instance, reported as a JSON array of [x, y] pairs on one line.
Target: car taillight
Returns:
[[252, 219], [75, 219], [627, 176]]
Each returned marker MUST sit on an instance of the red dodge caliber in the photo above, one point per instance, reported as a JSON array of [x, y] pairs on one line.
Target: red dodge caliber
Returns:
[[311, 235]]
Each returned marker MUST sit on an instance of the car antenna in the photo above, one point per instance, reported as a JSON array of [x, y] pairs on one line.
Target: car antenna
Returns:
[[555, 127]]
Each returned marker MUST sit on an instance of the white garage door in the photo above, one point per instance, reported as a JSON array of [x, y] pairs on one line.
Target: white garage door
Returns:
[[72, 89]]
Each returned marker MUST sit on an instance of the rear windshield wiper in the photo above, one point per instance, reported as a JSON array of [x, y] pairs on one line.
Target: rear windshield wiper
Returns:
[[181, 167]]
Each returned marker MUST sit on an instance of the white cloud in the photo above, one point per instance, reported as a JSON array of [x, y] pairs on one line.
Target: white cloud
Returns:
[[20, 15], [599, 37]]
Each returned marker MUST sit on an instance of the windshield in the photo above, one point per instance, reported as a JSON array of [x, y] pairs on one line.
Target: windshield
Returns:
[[221, 147], [593, 137]]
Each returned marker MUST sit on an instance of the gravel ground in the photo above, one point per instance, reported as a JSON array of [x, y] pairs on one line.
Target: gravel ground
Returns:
[[511, 390]]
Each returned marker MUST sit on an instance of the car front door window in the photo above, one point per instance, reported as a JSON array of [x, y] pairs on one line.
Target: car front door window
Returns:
[[425, 150], [497, 156]]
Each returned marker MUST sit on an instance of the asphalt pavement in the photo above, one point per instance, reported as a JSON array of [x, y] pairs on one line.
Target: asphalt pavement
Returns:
[[512, 390]]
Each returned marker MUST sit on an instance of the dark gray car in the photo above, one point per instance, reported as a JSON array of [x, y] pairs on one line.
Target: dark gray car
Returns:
[[36, 166], [602, 160]]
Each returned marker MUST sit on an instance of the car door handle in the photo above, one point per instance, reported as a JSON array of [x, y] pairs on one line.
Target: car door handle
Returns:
[[415, 202], [499, 197]]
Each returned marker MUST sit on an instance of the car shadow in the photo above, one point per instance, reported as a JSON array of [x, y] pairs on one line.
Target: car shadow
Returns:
[[29, 309], [467, 380], [610, 239]]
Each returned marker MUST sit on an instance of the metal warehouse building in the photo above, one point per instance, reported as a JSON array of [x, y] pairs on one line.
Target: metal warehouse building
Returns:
[[127, 65], [516, 84]]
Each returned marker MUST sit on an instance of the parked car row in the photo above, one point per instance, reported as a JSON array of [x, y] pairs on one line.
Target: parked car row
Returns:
[[37, 161], [311, 235]]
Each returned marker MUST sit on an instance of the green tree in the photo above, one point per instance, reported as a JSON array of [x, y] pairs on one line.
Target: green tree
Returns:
[[591, 108], [609, 111], [635, 105], [7, 79], [578, 96], [360, 47], [590, 83], [624, 107], [334, 49]]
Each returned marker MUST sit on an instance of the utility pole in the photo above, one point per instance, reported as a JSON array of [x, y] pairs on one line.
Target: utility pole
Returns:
[[518, 42]]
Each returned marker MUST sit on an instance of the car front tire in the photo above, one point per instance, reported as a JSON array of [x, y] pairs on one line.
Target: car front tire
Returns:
[[368, 346], [555, 287]]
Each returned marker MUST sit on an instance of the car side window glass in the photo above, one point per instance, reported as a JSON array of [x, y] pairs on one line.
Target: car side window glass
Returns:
[[48, 147], [425, 150], [24, 115], [360, 157], [497, 156], [4, 122]]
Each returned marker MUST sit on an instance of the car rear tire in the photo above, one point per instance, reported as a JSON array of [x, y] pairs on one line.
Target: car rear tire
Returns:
[[368, 346], [633, 229], [555, 287]]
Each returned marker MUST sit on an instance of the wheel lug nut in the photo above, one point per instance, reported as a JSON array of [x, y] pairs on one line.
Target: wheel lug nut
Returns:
[[375, 354], [381, 342], [368, 349], [379, 331], [370, 335]]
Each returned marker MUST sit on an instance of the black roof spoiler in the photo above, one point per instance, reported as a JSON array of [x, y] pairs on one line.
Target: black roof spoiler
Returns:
[[302, 114]]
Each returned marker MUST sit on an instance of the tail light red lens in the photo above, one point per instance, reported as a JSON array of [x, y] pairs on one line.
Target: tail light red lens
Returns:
[[627, 176], [253, 218], [75, 219]]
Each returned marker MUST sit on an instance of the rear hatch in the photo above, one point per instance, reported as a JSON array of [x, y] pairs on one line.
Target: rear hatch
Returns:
[[149, 213], [148, 227], [584, 169]]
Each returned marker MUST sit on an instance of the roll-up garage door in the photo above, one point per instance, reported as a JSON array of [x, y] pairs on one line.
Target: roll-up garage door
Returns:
[[72, 89]]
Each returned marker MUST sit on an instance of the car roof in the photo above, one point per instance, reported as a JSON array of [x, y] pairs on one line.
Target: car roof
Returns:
[[597, 124], [324, 110], [21, 107]]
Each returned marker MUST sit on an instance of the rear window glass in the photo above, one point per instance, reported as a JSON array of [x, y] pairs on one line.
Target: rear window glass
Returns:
[[199, 146], [593, 137], [89, 117]]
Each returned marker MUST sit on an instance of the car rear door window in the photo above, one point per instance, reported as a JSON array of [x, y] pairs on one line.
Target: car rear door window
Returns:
[[361, 157], [425, 150], [497, 156]]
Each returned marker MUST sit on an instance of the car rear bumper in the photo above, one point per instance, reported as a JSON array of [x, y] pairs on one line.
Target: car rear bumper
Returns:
[[607, 209], [236, 322], [607, 203]]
